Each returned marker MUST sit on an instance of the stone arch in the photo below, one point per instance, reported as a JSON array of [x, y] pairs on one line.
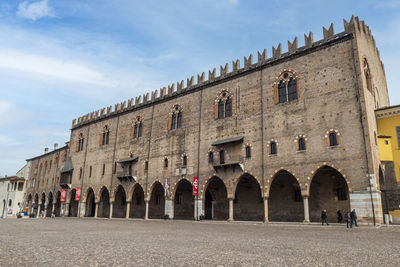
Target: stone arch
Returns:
[[328, 190], [104, 203], [150, 189], [174, 187], [114, 191], [157, 201], [42, 201], [285, 202], [328, 164], [248, 204], [90, 200], [215, 199], [273, 175], [73, 204], [98, 195], [231, 194], [183, 200], [285, 77], [50, 201], [130, 191], [138, 206], [119, 200]]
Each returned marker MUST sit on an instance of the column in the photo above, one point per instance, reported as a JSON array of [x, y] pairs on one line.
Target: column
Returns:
[[306, 210], [38, 211], [111, 209], [266, 209], [66, 212], [82, 209], [128, 209], [53, 209], [96, 209], [198, 208], [230, 210], [146, 216], [169, 208]]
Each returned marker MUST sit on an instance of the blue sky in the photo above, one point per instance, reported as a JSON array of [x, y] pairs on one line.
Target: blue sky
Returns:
[[62, 59]]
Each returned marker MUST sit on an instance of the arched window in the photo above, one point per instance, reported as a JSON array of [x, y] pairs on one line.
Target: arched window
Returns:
[[9, 202], [286, 87], [175, 119], [210, 157], [140, 129], [273, 150], [135, 131], [105, 136], [222, 157], [248, 151], [80, 142], [333, 139], [223, 105], [302, 144], [184, 161], [165, 163], [137, 127]]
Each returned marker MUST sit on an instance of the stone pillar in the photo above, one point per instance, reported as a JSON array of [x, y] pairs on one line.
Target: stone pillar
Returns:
[[266, 209], [96, 209], [111, 209], [169, 208], [230, 210], [128, 209], [53, 209], [38, 211], [66, 212], [82, 209], [146, 215], [198, 208], [306, 210]]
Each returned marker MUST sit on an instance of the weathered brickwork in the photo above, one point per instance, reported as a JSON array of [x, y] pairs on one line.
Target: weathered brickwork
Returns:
[[332, 96]]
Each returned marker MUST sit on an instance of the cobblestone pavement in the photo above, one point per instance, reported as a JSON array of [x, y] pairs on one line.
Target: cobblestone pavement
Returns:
[[102, 242]]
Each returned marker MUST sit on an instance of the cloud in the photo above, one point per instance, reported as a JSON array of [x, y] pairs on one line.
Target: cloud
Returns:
[[35, 10]]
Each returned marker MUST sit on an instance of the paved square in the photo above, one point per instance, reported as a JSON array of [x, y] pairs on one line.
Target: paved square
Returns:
[[103, 242]]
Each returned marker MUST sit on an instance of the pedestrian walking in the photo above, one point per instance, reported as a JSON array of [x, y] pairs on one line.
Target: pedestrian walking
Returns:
[[353, 216], [324, 217], [53, 214], [347, 219], [339, 216]]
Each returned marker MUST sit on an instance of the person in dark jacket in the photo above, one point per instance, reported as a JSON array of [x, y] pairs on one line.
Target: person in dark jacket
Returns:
[[339, 216], [353, 217], [347, 219], [324, 217]]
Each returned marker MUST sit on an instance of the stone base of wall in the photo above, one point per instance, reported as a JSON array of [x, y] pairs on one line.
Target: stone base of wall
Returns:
[[361, 202]]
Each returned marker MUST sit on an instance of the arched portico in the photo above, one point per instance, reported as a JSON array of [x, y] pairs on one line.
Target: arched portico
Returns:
[[157, 201], [248, 204], [73, 204], [216, 204], [43, 202], [328, 191], [104, 204], [49, 205], [36, 206], [57, 206], [138, 206], [183, 201], [119, 205], [90, 208]]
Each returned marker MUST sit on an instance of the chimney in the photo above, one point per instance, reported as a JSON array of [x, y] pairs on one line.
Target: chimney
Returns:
[[55, 146], [46, 149]]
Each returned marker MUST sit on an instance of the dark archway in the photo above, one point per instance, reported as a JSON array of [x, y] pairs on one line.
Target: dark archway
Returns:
[[104, 204], [119, 206], [157, 202], [49, 205], [138, 206], [184, 202], [36, 206], [248, 204], [90, 208], [58, 204], [73, 205], [216, 204], [328, 191], [29, 204], [43, 202], [285, 203]]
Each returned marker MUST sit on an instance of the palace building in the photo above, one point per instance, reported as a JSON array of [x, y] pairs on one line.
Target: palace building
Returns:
[[276, 138]]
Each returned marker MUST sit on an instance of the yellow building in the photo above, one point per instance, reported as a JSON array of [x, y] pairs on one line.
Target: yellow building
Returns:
[[388, 120]]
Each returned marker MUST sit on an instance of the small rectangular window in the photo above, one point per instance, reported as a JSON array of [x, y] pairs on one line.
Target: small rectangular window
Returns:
[[386, 142], [146, 166], [104, 169], [398, 136]]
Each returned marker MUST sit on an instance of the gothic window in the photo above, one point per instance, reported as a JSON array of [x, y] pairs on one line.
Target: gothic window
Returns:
[[333, 139], [286, 87], [184, 161], [175, 119], [223, 105], [105, 137], [248, 151], [273, 150], [368, 77], [302, 144], [80, 142], [137, 127], [210, 157], [222, 157], [165, 163]]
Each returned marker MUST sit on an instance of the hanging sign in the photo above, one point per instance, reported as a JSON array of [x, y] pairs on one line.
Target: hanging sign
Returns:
[[78, 194], [195, 179], [62, 199]]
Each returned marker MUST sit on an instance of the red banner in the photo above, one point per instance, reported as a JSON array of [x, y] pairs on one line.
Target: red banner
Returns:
[[78, 194], [195, 179], [62, 195]]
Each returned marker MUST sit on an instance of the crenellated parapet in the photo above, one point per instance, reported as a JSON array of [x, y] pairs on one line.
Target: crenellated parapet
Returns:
[[354, 26]]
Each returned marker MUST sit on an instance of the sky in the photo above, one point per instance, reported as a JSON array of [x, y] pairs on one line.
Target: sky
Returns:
[[62, 59]]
